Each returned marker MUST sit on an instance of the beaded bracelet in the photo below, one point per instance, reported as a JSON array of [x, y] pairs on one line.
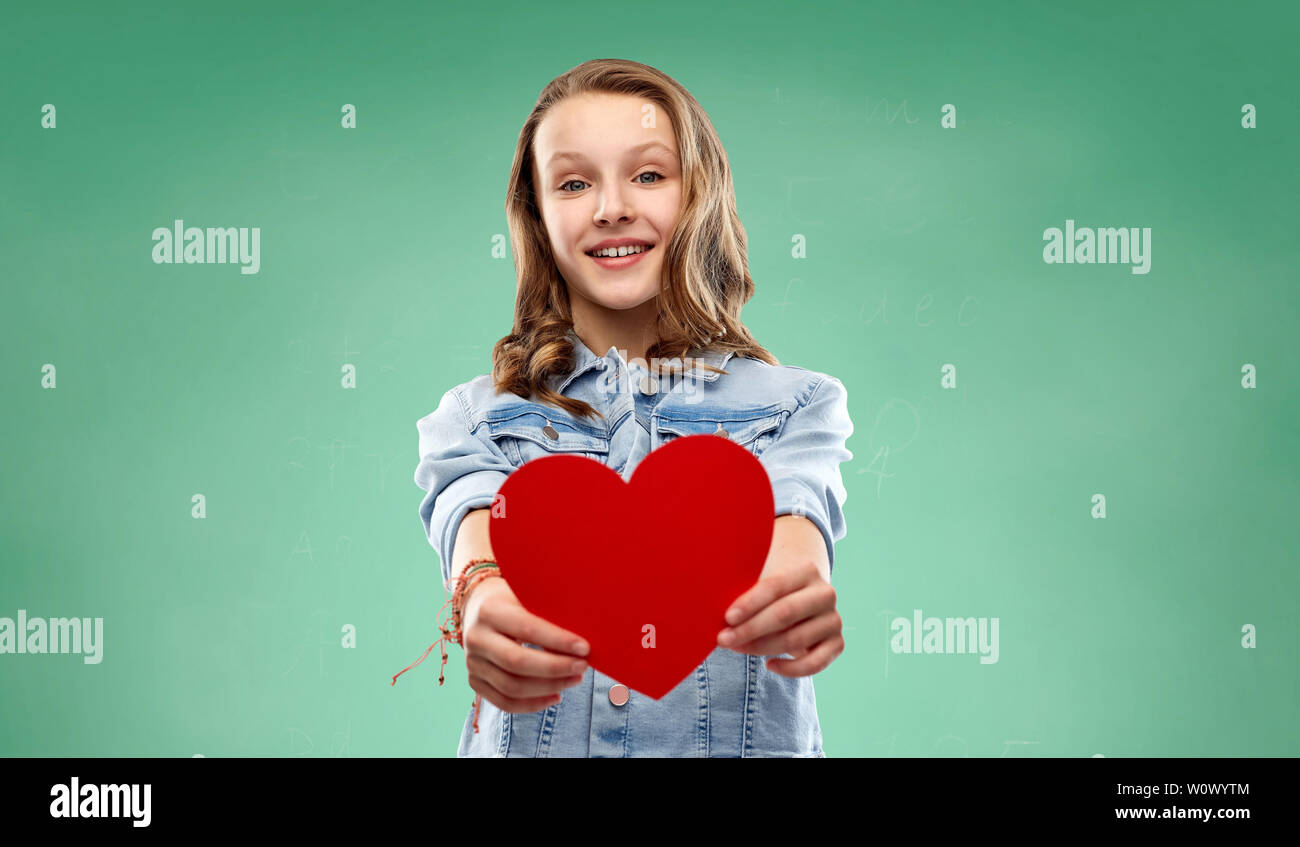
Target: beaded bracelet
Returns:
[[481, 564], [475, 572]]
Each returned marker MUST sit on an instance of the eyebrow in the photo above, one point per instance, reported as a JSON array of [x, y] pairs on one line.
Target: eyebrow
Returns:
[[650, 145]]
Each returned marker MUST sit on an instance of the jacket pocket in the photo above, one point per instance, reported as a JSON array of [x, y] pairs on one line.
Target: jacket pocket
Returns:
[[754, 429], [529, 431]]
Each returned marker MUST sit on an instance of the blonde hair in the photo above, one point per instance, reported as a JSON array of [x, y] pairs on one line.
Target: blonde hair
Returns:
[[706, 268]]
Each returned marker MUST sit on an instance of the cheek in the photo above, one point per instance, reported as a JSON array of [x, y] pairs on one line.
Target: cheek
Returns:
[[561, 225], [665, 217]]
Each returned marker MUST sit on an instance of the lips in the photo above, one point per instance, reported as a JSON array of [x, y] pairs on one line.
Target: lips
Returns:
[[645, 248], [619, 263]]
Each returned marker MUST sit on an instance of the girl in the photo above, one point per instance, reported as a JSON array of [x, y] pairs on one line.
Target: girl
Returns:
[[631, 269]]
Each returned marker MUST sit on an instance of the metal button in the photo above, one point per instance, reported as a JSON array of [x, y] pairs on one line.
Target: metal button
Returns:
[[618, 694], [649, 385], [549, 432]]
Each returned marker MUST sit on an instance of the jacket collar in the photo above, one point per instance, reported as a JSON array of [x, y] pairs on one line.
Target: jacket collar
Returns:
[[586, 360]]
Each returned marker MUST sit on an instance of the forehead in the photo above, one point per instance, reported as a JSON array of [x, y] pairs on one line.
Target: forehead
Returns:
[[601, 127]]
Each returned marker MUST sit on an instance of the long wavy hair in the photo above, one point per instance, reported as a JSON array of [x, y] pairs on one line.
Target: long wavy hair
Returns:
[[707, 277]]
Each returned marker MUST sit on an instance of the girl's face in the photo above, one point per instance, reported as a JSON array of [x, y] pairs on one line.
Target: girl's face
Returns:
[[606, 169]]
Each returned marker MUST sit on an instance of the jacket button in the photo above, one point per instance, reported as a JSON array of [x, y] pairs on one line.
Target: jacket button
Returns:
[[649, 385], [550, 432], [618, 694]]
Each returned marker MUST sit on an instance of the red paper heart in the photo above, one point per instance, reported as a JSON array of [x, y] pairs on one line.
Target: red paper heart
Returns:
[[672, 548]]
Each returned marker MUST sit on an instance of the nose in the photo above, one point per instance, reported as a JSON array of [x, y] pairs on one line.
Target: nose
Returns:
[[614, 206]]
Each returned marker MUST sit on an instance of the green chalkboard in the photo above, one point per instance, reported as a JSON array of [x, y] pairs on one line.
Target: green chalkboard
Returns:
[[1102, 456]]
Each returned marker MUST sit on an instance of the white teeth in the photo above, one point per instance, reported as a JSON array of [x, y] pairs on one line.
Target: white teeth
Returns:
[[618, 251]]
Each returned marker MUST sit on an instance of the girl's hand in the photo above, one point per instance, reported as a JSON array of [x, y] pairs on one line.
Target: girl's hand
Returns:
[[790, 610], [515, 678]]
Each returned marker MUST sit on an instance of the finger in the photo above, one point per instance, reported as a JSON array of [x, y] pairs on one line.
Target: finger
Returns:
[[762, 595], [514, 685], [814, 661], [810, 632], [781, 614], [513, 657], [518, 623], [510, 704]]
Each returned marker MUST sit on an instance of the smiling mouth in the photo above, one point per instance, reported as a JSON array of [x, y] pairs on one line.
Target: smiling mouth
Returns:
[[644, 249]]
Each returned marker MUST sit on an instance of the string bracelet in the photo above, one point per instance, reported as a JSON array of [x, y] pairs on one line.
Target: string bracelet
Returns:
[[475, 572]]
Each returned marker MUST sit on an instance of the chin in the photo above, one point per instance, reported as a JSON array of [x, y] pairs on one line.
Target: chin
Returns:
[[619, 295], [623, 303]]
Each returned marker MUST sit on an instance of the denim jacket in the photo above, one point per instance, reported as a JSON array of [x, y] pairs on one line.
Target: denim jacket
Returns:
[[796, 423]]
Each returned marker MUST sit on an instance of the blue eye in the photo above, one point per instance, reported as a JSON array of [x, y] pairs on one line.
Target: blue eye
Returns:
[[643, 173]]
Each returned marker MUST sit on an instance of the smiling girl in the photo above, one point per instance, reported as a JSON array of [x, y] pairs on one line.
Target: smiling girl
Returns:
[[631, 272]]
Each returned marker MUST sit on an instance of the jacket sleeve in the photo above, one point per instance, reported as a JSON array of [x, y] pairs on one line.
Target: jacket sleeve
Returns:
[[458, 471], [804, 462]]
